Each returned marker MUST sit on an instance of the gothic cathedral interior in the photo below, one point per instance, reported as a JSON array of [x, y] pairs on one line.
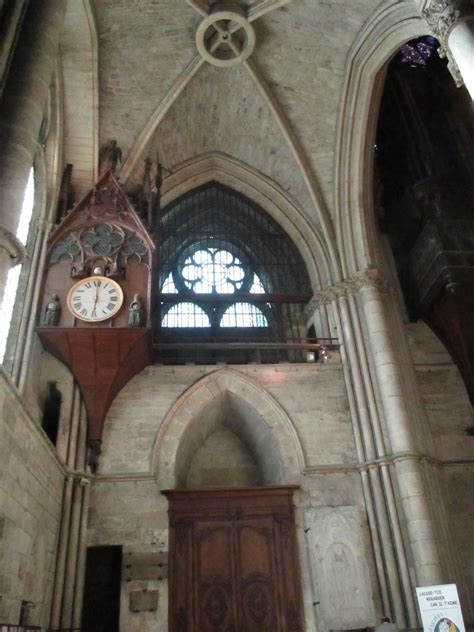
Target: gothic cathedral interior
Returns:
[[236, 315]]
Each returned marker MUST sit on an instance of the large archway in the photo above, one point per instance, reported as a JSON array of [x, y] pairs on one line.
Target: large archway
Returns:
[[393, 24]]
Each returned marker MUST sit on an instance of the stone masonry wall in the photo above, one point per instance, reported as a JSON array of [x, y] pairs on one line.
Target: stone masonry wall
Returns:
[[31, 486], [128, 509], [449, 414]]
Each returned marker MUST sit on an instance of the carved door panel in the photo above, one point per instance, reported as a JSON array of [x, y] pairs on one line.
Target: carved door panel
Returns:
[[258, 597], [233, 561], [214, 573]]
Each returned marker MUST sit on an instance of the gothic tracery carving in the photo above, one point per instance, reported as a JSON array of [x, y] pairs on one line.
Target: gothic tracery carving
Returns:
[[110, 242]]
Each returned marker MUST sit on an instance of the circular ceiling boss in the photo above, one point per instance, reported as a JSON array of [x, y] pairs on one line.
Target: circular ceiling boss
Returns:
[[225, 38]]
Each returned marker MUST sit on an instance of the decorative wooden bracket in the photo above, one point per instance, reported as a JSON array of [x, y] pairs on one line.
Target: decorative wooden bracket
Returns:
[[102, 361]]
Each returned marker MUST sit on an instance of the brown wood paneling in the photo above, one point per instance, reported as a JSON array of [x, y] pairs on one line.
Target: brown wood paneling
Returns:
[[233, 561], [102, 361]]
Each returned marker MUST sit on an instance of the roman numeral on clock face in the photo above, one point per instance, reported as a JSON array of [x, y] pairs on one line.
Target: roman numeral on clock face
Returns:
[[95, 299]]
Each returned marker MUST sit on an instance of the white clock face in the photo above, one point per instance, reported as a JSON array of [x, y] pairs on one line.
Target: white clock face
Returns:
[[95, 298]]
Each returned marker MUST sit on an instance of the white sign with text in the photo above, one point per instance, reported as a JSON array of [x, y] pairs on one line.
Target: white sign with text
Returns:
[[440, 608]]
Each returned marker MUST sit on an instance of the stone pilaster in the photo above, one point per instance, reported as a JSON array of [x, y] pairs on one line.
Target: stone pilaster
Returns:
[[21, 114]]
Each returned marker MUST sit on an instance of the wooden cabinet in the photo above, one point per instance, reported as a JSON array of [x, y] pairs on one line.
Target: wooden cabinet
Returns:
[[233, 563]]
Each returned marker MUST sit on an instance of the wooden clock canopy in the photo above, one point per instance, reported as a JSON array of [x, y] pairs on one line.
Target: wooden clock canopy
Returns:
[[102, 236]]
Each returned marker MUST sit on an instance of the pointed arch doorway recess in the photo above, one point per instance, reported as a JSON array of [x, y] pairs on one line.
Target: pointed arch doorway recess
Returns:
[[233, 563], [233, 555]]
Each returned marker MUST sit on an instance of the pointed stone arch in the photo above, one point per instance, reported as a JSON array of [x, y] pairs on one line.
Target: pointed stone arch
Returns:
[[241, 177], [391, 25], [261, 423]]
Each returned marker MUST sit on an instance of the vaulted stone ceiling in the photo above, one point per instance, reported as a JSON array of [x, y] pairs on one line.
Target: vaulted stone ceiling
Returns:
[[276, 112]]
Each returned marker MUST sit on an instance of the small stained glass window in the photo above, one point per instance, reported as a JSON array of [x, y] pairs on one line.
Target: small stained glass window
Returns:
[[213, 271], [243, 315], [257, 286], [169, 286], [186, 315], [417, 52]]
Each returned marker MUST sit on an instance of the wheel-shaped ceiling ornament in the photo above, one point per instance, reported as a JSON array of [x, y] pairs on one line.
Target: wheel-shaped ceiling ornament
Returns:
[[225, 38]]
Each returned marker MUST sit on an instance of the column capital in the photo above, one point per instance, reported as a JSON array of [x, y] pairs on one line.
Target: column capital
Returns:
[[442, 16], [371, 277], [352, 285], [15, 249]]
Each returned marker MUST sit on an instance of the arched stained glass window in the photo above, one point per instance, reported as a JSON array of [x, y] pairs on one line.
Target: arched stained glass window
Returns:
[[243, 315], [229, 274], [186, 315]]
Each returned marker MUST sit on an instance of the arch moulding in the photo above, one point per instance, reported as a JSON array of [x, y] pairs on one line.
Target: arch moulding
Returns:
[[240, 177], [393, 24], [203, 394]]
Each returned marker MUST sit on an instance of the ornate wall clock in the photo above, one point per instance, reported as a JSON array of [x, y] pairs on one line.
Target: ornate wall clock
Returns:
[[95, 312], [95, 299]]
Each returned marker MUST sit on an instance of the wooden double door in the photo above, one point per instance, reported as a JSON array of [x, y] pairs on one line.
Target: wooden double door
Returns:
[[233, 564]]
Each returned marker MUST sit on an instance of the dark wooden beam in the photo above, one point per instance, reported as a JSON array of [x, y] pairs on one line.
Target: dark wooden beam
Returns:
[[239, 297]]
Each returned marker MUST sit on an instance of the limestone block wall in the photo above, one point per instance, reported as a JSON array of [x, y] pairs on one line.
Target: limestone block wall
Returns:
[[128, 509], [449, 414], [31, 487]]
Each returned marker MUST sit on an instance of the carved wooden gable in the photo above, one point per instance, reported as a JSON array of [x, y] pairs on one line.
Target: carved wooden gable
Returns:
[[102, 235]]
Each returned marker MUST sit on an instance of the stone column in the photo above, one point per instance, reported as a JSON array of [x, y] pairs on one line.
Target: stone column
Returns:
[[21, 114], [413, 486], [452, 23]]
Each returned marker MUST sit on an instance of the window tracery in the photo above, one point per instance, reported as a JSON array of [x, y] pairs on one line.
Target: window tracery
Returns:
[[214, 271], [230, 277]]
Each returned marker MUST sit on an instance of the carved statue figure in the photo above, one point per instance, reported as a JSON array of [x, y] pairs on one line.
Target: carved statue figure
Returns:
[[52, 312], [135, 312], [109, 156]]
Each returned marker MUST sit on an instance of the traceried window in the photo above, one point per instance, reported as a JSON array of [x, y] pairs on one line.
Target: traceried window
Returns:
[[186, 315], [243, 315], [214, 271], [232, 285]]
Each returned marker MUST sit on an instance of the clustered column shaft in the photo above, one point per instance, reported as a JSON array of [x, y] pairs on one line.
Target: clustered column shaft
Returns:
[[21, 114], [392, 464]]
